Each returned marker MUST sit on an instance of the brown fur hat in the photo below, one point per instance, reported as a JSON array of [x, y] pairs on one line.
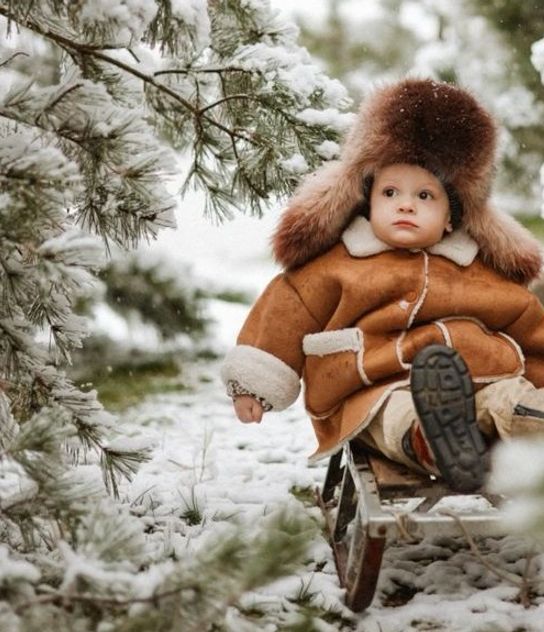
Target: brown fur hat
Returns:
[[432, 124]]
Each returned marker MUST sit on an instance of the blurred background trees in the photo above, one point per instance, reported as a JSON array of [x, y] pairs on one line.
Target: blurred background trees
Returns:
[[484, 46]]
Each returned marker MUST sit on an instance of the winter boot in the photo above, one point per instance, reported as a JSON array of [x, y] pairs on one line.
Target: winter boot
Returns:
[[444, 401]]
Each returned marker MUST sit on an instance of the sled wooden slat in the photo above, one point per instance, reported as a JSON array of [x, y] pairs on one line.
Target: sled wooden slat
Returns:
[[354, 501], [390, 475]]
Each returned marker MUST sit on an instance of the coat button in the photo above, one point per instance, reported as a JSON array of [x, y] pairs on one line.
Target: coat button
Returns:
[[411, 296]]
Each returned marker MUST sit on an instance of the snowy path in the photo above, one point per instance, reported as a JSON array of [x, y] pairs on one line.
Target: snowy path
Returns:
[[210, 468]]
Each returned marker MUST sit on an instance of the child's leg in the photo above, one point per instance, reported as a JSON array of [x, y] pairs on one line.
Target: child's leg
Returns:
[[510, 408], [394, 430], [433, 425]]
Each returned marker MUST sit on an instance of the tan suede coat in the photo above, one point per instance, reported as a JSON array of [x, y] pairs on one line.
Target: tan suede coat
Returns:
[[350, 322]]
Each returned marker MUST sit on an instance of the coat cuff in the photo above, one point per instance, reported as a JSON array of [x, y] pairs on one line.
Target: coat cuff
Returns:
[[263, 374]]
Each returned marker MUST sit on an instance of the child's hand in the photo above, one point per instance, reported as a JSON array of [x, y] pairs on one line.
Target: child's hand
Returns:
[[248, 409]]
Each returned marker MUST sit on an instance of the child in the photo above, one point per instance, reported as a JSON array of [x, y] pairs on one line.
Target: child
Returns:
[[398, 276]]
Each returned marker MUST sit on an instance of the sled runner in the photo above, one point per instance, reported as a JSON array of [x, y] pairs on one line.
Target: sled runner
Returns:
[[357, 503]]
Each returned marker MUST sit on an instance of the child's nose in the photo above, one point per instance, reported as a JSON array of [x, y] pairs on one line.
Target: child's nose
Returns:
[[406, 206]]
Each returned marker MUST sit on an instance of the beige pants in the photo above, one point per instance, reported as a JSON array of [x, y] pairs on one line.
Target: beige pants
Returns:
[[494, 409]]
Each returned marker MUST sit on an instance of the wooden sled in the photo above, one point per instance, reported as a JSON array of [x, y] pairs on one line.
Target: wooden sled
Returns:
[[354, 499]]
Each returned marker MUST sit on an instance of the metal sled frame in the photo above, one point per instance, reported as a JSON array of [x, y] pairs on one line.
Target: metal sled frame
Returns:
[[359, 522]]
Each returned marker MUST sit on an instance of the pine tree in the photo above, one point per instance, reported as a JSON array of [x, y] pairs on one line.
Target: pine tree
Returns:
[[519, 25], [98, 97]]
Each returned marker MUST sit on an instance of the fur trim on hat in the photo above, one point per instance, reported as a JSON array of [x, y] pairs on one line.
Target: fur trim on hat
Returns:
[[435, 125]]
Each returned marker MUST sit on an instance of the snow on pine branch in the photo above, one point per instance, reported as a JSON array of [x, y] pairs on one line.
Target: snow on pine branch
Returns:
[[229, 96], [99, 95], [123, 168], [124, 21]]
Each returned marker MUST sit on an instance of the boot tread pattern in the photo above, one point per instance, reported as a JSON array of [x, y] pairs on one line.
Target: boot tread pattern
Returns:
[[444, 400]]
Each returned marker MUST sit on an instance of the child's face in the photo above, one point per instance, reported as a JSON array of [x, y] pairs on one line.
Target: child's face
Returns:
[[409, 207]]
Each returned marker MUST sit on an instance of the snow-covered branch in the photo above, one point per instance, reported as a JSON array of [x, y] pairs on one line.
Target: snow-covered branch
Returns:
[[100, 98]]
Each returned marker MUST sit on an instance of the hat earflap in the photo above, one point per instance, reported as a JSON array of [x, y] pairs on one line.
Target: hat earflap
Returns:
[[317, 214], [505, 244]]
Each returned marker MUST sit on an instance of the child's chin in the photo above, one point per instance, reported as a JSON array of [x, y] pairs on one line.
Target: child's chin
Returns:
[[408, 244]]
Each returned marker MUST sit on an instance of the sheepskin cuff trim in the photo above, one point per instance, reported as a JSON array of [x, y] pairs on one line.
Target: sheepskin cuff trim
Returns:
[[235, 389], [262, 374], [326, 342]]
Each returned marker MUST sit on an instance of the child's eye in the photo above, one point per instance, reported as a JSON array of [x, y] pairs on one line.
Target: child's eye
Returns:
[[425, 195], [389, 192]]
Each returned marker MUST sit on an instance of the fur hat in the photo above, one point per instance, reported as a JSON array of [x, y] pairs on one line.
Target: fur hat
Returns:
[[435, 125]]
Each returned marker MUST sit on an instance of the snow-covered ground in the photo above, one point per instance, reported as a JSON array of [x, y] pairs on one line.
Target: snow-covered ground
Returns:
[[205, 459]]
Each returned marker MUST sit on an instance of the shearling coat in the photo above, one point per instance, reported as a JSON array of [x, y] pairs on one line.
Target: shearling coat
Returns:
[[349, 322]]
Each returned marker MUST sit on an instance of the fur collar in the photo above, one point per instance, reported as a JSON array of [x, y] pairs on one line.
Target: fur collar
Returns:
[[360, 241]]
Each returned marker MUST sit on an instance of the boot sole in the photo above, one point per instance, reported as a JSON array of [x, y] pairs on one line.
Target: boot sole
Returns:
[[444, 400]]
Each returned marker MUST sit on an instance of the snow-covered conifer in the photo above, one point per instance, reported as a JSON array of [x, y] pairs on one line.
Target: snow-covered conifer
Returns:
[[96, 97]]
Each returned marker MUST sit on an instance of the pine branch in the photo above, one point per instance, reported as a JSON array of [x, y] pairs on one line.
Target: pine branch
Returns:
[[12, 57], [96, 53], [252, 561], [204, 70], [87, 153], [57, 100]]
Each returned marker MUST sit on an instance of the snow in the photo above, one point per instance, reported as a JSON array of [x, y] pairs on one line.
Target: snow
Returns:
[[328, 149], [75, 248], [296, 164], [519, 108], [194, 14], [337, 120], [523, 483], [234, 254], [294, 68], [418, 18], [537, 56], [130, 16], [12, 570]]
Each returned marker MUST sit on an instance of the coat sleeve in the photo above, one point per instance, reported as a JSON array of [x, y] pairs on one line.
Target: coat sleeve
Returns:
[[528, 331], [268, 358]]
